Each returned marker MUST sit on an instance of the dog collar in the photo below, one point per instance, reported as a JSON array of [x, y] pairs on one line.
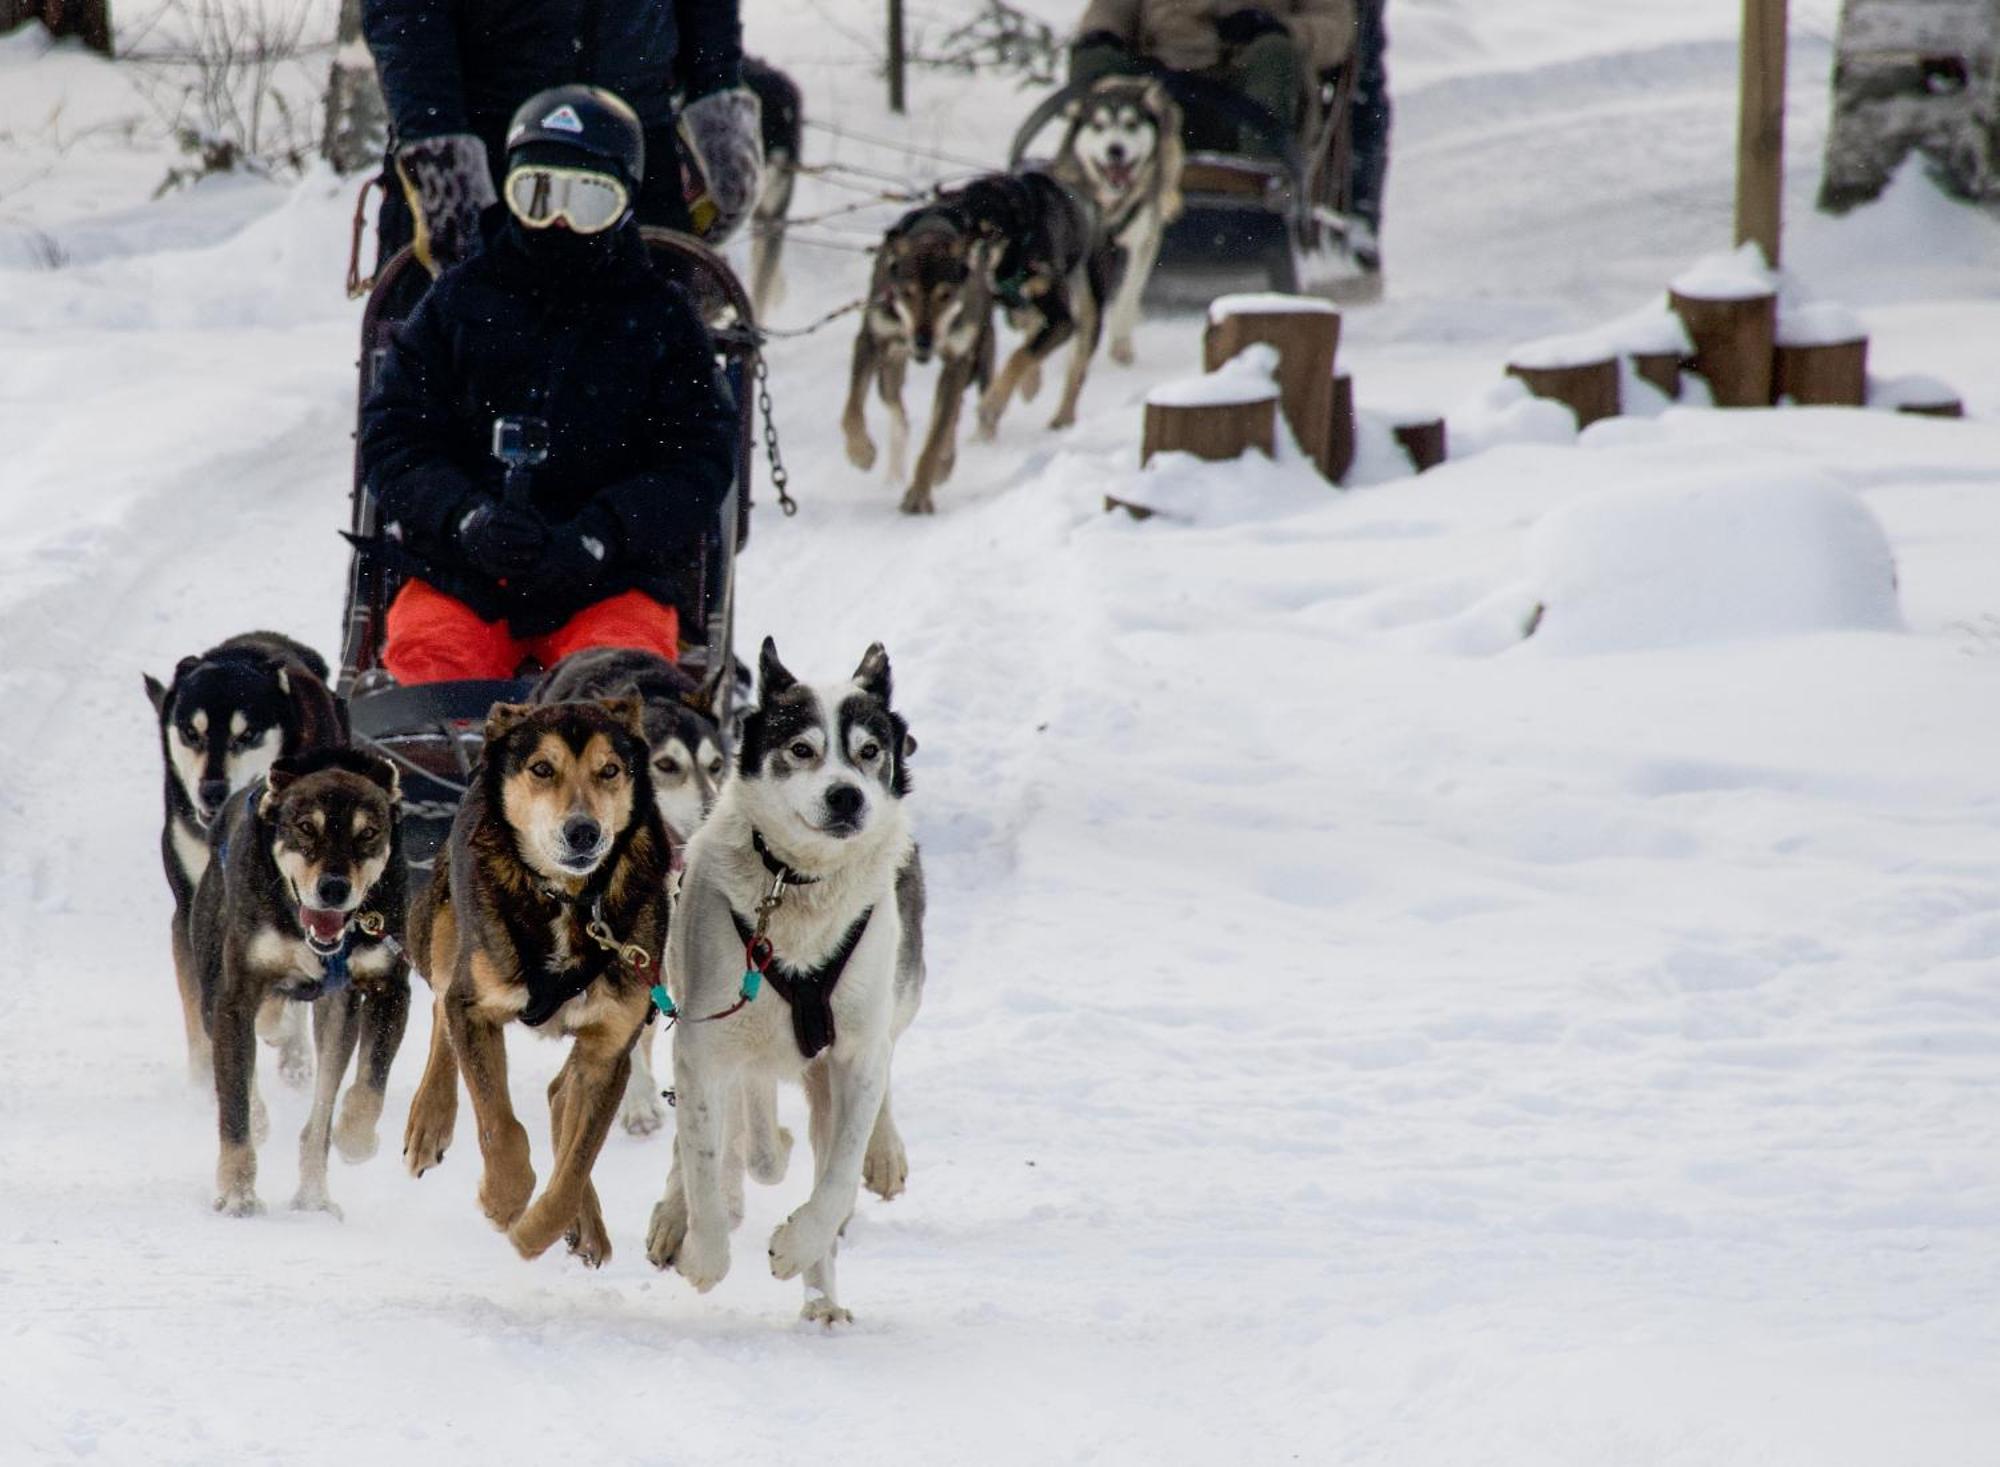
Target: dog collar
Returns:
[[785, 874]]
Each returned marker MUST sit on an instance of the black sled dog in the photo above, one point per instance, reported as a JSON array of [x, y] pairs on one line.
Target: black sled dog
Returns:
[[304, 903], [225, 717]]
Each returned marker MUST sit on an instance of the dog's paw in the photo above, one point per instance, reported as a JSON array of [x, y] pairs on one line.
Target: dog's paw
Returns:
[[800, 1241], [703, 1260], [427, 1137], [641, 1114], [1062, 420], [589, 1242], [861, 451], [918, 501], [768, 1164], [885, 1170], [667, 1230], [505, 1188], [354, 1133], [537, 1229], [1121, 351], [239, 1201], [823, 1311], [314, 1199]]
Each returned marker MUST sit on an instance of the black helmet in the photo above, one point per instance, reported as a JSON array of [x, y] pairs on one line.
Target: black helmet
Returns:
[[557, 125]]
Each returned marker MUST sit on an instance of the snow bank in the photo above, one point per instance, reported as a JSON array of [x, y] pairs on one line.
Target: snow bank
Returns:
[[1507, 413], [1249, 376], [1729, 557], [1740, 274]]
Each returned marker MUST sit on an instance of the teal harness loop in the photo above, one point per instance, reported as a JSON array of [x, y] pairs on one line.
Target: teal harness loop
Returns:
[[757, 955]]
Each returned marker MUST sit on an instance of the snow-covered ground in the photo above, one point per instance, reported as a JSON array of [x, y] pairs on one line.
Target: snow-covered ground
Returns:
[[1354, 1034]]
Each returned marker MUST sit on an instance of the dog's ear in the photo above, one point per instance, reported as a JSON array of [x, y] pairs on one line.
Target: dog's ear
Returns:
[[156, 692], [630, 712], [873, 673], [503, 717], [377, 770], [909, 743], [277, 779], [772, 675]]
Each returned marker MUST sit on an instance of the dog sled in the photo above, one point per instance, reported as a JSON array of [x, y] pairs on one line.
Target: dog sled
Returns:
[[1272, 218], [433, 732]]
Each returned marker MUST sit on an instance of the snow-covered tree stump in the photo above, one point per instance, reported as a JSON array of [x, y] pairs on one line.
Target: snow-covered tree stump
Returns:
[[1588, 389], [1424, 441], [88, 20], [1217, 417], [1340, 430], [1822, 357], [1306, 333]]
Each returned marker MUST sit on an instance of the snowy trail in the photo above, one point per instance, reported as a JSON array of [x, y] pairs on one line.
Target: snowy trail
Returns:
[[1347, 1040]]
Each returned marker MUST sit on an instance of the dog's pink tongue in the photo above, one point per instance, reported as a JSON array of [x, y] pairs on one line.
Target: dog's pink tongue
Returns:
[[322, 924]]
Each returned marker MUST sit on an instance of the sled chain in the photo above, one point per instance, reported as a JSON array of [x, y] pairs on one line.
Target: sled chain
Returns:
[[779, 477]]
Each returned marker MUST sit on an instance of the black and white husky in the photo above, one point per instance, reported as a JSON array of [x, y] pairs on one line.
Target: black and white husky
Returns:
[[1122, 150], [225, 718], [807, 870]]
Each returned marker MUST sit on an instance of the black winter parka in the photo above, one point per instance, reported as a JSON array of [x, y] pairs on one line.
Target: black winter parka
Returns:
[[465, 65], [642, 424]]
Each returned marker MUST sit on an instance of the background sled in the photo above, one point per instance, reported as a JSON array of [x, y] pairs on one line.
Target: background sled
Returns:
[[433, 732], [1266, 220]]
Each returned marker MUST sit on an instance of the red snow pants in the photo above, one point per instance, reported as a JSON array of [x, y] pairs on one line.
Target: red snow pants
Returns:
[[433, 638]]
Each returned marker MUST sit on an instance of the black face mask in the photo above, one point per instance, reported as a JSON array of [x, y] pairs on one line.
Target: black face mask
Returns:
[[563, 253]]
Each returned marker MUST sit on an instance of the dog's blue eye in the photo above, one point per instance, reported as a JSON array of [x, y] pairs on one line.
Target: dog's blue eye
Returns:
[[609, 773]]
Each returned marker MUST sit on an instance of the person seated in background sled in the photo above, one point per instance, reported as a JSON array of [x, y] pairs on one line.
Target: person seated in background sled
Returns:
[[453, 73], [1271, 53], [557, 329]]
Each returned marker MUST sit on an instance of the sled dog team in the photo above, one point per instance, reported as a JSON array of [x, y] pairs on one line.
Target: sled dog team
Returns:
[[1064, 251], [603, 869]]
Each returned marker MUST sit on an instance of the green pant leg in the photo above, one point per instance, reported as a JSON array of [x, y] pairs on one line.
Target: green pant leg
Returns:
[[1269, 72], [1088, 63]]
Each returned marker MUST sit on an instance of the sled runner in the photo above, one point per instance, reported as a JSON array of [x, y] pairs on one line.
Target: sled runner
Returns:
[[433, 732], [1269, 219]]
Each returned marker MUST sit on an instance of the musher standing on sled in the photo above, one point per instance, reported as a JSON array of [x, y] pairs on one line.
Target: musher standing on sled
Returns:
[[453, 72], [558, 321]]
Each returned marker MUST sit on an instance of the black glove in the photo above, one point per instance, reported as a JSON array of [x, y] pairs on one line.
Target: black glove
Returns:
[[571, 570], [500, 539], [1241, 27]]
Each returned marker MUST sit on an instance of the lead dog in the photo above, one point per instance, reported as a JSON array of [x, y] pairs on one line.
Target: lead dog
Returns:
[[225, 717], [806, 870], [549, 907], [688, 770], [1122, 150], [304, 903]]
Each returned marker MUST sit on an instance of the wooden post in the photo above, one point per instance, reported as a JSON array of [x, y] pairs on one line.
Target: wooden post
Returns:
[[1424, 441], [1341, 430], [1588, 389], [1760, 126], [1828, 374], [1216, 431], [1307, 336], [1735, 340], [1661, 368], [896, 56]]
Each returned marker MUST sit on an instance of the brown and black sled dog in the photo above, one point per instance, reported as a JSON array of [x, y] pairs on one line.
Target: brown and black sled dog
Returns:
[[549, 907], [303, 902]]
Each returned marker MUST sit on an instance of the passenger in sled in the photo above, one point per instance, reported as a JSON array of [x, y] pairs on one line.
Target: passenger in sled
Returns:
[[549, 438], [1273, 53]]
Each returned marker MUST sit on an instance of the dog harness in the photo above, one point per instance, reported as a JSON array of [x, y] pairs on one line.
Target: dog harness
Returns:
[[807, 992]]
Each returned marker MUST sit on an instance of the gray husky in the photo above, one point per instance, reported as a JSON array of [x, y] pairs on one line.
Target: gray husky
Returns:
[[225, 717], [806, 871]]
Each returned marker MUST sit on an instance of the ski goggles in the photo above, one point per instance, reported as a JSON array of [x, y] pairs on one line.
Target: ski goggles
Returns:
[[539, 194]]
